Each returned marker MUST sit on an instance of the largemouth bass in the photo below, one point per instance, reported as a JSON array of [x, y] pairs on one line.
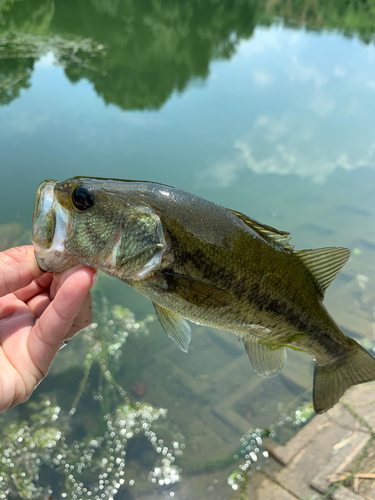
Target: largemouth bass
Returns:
[[199, 261]]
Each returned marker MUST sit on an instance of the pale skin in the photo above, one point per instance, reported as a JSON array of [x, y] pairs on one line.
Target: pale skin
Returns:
[[38, 312]]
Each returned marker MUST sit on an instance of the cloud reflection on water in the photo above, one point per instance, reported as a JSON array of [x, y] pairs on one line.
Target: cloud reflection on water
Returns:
[[320, 116], [270, 149]]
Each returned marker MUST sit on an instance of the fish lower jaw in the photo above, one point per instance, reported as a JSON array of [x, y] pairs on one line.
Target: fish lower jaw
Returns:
[[54, 262], [57, 249], [53, 257]]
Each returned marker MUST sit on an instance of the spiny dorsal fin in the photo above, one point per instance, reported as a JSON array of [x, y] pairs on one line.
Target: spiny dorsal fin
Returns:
[[324, 263], [269, 233], [176, 327]]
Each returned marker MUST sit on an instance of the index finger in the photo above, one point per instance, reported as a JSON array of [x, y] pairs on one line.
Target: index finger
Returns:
[[18, 268]]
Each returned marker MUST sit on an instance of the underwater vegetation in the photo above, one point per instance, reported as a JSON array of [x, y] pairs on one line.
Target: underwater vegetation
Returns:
[[46, 451], [252, 452]]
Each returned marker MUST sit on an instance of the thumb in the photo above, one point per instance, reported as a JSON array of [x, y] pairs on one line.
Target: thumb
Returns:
[[49, 332]]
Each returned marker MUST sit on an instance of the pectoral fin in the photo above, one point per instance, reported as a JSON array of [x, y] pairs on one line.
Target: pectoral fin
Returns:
[[196, 292], [177, 328], [265, 361]]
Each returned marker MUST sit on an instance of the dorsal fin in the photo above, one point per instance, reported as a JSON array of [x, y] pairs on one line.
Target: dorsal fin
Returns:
[[267, 232], [324, 263]]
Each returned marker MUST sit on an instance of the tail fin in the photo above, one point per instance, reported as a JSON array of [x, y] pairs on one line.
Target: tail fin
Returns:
[[331, 381]]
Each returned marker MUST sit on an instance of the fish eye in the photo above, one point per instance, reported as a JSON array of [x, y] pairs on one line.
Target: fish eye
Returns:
[[82, 198]]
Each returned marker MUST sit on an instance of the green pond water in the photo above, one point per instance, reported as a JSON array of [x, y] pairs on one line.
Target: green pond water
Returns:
[[267, 108]]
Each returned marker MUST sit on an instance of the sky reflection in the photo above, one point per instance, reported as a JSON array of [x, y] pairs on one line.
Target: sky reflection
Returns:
[[311, 106], [288, 102]]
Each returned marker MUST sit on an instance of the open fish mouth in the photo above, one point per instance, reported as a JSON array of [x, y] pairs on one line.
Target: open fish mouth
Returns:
[[50, 229]]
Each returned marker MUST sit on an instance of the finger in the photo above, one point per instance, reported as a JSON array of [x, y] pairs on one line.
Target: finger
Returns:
[[60, 278], [36, 287], [14, 388], [18, 268], [11, 306], [39, 304], [55, 323], [15, 302], [83, 318]]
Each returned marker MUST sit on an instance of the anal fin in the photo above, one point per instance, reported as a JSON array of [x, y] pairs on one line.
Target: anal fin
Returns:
[[265, 361], [177, 328]]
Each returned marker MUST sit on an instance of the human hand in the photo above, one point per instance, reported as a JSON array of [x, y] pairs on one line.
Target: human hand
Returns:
[[38, 312]]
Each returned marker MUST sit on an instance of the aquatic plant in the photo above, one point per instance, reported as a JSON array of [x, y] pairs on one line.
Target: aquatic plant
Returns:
[[252, 450], [49, 448], [105, 457], [24, 447]]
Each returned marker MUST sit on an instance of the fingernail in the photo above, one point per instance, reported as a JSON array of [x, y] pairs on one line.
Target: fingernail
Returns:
[[94, 278]]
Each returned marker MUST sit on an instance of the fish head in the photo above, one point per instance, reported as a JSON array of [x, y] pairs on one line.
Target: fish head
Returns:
[[90, 221]]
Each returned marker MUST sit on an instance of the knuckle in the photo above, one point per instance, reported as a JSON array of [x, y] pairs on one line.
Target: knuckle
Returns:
[[18, 253], [62, 314]]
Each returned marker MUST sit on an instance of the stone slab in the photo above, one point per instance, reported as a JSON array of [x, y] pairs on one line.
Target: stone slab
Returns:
[[268, 490], [362, 399], [284, 454], [319, 438], [325, 447], [343, 493], [338, 462]]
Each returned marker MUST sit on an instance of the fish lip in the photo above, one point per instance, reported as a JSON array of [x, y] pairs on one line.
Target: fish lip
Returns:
[[43, 202], [40, 260], [50, 254], [54, 262]]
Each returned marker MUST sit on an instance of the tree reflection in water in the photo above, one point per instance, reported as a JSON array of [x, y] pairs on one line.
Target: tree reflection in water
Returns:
[[137, 54]]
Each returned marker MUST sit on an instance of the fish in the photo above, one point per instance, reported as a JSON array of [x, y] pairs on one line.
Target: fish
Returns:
[[200, 262]]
